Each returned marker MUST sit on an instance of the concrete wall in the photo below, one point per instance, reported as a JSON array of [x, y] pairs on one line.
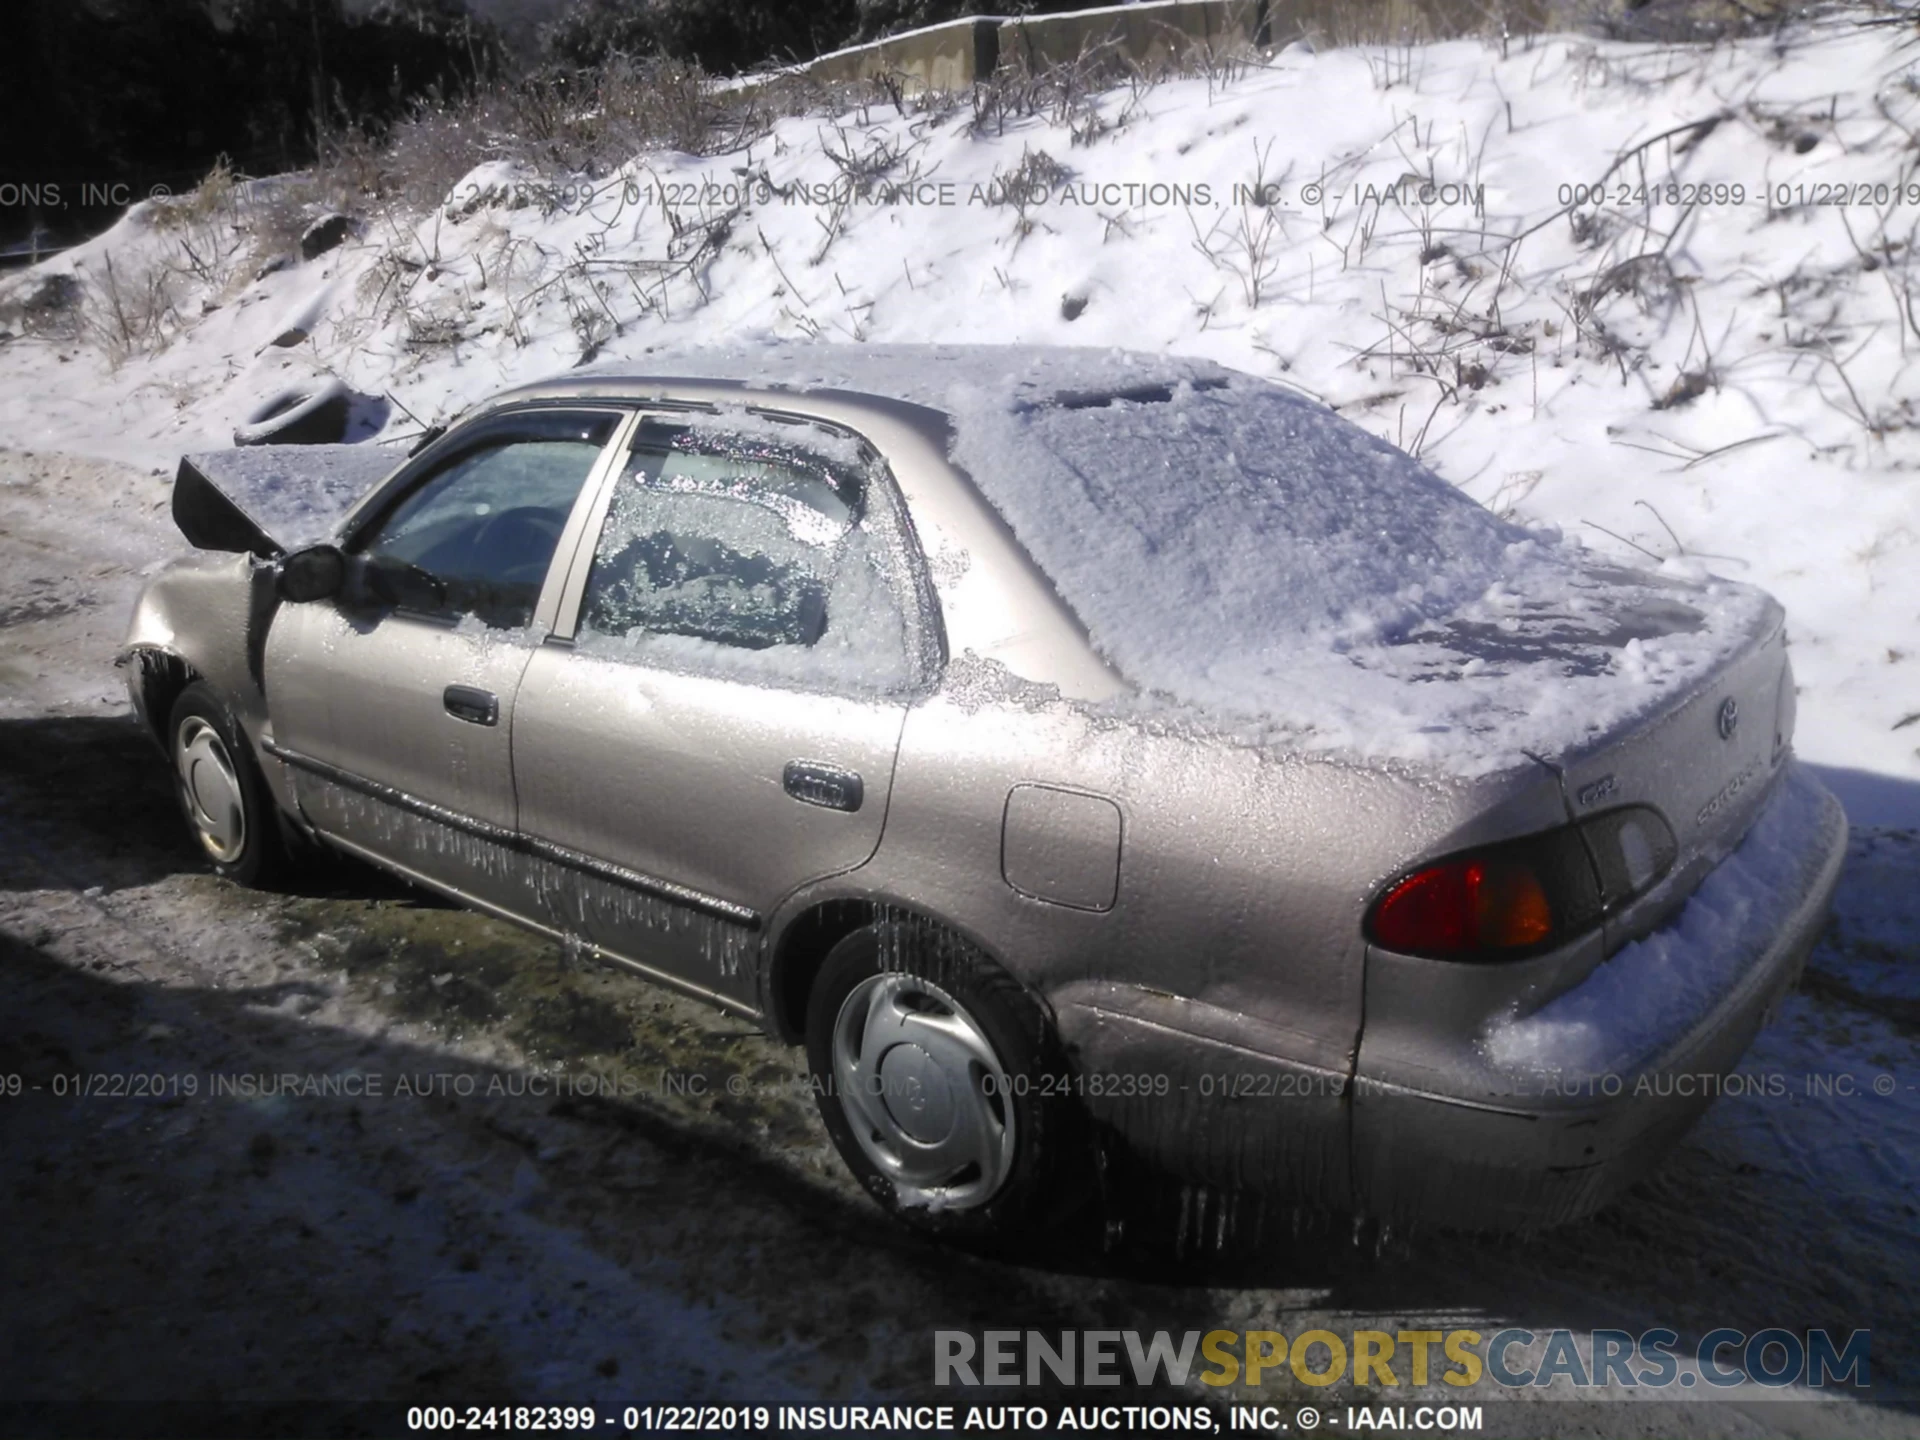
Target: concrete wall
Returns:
[[940, 57], [953, 56], [1345, 22], [956, 55], [1149, 35]]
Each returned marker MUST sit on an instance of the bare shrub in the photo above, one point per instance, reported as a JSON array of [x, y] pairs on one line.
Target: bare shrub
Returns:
[[208, 227], [1028, 183], [129, 311], [423, 157], [560, 123], [1248, 240], [1069, 93]]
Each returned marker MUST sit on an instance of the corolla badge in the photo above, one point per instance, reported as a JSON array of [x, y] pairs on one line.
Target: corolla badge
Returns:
[[1729, 717]]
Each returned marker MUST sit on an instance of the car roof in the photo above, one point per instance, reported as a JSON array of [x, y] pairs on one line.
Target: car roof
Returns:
[[1244, 551], [926, 375]]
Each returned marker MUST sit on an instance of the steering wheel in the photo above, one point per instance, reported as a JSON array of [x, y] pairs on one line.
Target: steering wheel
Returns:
[[517, 531]]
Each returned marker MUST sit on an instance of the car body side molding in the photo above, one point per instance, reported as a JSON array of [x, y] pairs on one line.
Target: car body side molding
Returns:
[[526, 844]]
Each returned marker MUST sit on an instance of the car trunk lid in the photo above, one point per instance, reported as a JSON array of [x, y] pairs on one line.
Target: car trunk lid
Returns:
[[1705, 761], [1704, 734]]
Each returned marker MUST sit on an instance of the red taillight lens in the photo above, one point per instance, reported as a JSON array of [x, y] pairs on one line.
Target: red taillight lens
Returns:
[[1503, 901], [1465, 905]]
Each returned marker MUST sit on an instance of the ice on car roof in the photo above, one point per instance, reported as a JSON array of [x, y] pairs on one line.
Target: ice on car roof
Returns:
[[1240, 550]]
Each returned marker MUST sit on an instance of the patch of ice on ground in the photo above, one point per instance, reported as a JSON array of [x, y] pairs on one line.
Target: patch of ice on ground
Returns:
[[1873, 941]]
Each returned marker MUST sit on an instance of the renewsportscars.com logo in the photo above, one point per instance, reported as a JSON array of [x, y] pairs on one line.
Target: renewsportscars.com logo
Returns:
[[1514, 1358]]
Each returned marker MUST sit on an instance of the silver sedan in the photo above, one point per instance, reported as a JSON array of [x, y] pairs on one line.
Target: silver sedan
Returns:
[[1069, 749]]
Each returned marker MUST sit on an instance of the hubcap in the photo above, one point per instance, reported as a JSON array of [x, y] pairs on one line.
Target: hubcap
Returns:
[[211, 789], [924, 1092]]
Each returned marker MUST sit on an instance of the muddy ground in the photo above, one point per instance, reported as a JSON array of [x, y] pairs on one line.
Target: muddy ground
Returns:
[[481, 1231]]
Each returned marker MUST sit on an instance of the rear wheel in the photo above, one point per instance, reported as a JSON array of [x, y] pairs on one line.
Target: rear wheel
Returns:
[[942, 1083], [222, 793]]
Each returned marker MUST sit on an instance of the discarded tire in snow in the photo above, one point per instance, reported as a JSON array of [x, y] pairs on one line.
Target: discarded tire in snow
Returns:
[[329, 232], [314, 414]]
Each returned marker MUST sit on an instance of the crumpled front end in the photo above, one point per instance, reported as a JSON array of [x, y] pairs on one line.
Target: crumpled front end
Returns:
[[197, 618]]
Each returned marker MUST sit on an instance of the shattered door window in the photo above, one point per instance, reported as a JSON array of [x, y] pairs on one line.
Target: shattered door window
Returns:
[[740, 532]]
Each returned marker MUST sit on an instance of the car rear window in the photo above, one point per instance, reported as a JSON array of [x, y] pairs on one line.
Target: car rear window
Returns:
[[1240, 513]]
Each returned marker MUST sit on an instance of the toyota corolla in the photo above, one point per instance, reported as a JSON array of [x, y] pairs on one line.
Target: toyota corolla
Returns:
[[1069, 749]]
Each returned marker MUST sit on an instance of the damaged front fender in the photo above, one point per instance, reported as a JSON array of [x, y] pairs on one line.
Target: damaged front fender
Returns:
[[204, 616]]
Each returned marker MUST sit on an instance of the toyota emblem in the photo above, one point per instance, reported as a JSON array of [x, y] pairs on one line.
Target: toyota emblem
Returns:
[[1729, 717]]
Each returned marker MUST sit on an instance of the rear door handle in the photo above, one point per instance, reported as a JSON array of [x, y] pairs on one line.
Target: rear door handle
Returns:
[[472, 704], [812, 783]]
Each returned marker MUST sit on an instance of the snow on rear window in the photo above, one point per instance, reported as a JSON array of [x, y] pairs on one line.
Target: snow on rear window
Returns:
[[1237, 512], [1243, 553]]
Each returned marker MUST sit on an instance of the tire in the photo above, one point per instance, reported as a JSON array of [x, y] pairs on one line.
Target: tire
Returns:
[[967, 1064], [222, 793], [300, 415]]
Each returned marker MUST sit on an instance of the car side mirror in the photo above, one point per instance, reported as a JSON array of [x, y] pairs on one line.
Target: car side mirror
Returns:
[[316, 573], [386, 580]]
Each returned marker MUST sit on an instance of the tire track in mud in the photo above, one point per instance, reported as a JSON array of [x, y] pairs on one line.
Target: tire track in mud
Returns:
[[1900, 1011]]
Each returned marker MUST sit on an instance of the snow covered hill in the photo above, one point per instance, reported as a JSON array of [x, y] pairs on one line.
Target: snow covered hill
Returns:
[[1660, 296]]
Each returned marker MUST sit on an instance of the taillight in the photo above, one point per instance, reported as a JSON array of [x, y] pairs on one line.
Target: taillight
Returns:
[[1522, 896], [1465, 905]]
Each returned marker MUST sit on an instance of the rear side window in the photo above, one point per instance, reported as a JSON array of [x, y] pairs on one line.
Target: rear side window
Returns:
[[749, 546]]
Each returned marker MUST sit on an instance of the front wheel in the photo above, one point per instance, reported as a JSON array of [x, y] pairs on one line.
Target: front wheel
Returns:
[[942, 1083], [221, 790]]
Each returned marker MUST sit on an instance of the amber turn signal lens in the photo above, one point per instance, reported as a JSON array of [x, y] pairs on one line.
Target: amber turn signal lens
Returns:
[[1510, 908]]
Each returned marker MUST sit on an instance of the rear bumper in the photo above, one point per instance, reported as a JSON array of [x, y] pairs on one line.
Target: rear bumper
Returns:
[[1565, 1108], [1517, 1129], [1204, 1094]]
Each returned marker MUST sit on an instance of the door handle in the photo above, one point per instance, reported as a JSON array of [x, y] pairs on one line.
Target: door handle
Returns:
[[812, 783], [472, 704]]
